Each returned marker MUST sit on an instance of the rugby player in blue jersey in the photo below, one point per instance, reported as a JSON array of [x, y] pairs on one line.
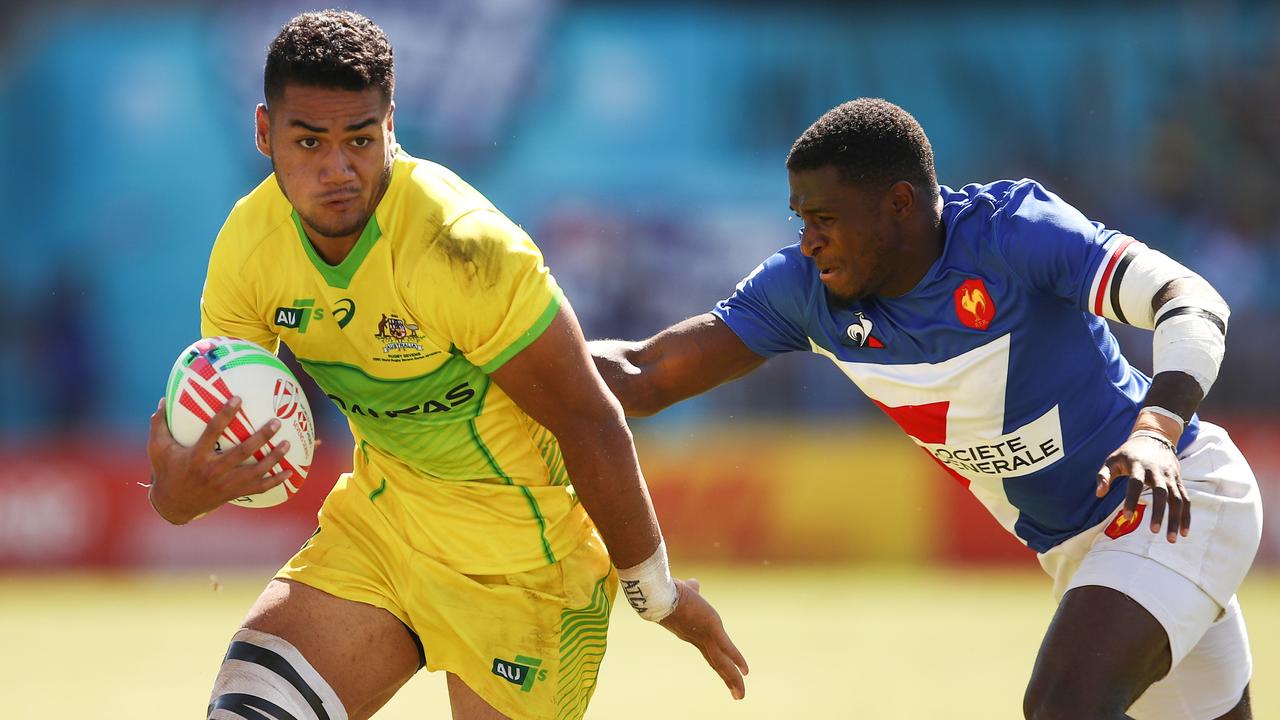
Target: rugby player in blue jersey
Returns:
[[974, 317]]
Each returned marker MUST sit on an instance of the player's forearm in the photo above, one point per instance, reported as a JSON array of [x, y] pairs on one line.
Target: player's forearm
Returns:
[[1175, 391], [602, 463], [1190, 324]]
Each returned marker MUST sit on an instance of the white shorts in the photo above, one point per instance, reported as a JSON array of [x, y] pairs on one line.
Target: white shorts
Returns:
[[1188, 586]]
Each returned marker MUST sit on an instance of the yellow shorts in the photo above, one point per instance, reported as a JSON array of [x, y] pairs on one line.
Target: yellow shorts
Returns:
[[529, 643]]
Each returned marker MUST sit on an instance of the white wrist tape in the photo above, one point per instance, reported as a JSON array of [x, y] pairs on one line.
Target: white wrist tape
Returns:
[[1167, 413], [649, 586], [1190, 337], [1139, 275]]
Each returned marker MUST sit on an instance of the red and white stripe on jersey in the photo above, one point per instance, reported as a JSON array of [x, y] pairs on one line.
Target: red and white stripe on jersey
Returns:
[[954, 410], [1104, 291]]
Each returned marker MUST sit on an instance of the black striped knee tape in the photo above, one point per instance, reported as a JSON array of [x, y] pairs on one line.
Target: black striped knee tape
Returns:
[[264, 677]]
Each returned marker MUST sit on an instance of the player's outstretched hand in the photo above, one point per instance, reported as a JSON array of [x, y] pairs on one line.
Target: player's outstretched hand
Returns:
[[1149, 463], [697, 623], [187, 482]]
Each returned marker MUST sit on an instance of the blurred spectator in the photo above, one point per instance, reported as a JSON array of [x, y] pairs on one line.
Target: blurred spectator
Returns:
[[642, 147], [60, 368]]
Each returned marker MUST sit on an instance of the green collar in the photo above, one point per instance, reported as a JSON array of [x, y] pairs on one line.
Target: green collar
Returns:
[[339, 276]]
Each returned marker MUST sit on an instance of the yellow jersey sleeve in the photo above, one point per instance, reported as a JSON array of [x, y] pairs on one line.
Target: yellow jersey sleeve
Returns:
[[226, 305], [495, 294]]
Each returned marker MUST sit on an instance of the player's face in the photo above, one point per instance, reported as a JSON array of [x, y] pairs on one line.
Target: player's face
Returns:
[[846, 233], [331, 150]]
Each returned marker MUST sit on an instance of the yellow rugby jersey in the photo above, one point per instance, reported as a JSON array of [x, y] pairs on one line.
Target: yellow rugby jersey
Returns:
[[440, 290]]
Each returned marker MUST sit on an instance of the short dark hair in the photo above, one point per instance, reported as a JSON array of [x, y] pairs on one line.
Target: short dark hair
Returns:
[[331, 48], [872, 142]]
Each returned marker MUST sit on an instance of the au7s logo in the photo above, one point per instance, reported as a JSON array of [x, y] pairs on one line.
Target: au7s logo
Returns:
[[523, 672], [303, 310]]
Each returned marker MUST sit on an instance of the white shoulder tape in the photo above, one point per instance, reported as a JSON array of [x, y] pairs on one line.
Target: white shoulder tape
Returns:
[[1139, 275]]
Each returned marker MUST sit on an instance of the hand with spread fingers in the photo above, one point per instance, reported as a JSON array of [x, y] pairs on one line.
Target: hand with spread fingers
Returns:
[[1150, 460], [697, 623], [188, 482]]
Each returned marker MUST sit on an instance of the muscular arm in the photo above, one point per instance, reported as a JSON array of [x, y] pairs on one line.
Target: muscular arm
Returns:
[[554, 381], [1145, 458], [686, 359]]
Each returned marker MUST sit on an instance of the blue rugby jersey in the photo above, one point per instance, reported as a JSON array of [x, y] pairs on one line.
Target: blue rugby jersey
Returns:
[[998, 363]]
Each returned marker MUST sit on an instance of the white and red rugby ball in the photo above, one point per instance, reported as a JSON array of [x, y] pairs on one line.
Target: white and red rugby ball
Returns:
[[212, 370]]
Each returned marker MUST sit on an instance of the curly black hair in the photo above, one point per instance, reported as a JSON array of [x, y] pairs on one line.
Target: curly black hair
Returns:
[[873, 143], [331, 48]]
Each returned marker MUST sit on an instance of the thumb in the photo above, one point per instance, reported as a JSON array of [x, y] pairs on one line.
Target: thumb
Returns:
[[1103, 481], [160, 425], [694, 585]]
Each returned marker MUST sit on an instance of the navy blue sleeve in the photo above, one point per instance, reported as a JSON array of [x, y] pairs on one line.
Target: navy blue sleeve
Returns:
[[1052, 246], [767, 309]]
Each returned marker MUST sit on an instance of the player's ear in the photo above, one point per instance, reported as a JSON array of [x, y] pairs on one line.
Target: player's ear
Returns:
[[262, 128], [391, 126], [902, 197]]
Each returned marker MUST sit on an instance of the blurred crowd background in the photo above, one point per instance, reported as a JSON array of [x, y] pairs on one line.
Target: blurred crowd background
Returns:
[[642, 146]]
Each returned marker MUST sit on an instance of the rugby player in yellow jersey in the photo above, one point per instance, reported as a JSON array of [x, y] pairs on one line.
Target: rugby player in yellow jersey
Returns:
[[457, 541]]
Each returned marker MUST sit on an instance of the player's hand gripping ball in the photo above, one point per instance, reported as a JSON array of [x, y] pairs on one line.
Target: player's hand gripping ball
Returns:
[[212, 370]]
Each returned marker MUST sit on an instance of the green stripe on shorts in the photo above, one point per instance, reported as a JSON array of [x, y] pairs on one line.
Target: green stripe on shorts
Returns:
[[582, 644]]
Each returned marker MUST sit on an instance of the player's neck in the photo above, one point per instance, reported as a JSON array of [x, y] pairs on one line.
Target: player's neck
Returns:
[[333, 250], [921, 250]]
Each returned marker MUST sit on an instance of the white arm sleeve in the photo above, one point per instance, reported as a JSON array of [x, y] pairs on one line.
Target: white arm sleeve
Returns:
[[1190, 329], [1139, 275]]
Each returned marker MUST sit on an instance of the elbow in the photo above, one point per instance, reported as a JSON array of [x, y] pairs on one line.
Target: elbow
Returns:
[[1214, 298]]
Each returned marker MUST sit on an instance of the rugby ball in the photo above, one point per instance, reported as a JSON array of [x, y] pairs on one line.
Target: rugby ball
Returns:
[[212, 370]]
